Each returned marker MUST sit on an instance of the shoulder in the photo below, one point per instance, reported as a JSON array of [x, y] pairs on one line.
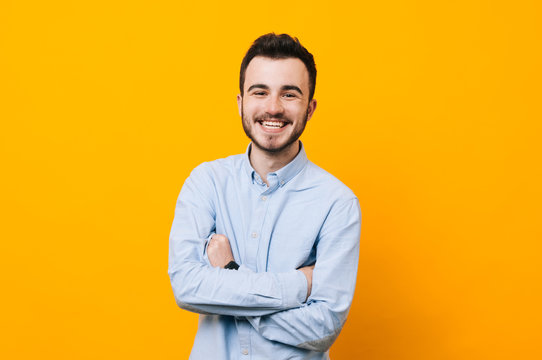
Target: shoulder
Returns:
[[327, 184], [207, 177], [224, 166], [340, 203]]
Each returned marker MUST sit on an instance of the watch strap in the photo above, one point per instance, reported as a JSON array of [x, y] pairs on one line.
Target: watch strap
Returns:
[[232, 265]]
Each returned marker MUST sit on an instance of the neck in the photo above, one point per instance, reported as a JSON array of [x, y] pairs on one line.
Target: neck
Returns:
[[265, 162]]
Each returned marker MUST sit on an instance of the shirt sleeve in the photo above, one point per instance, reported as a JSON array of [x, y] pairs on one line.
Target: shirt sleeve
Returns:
[[316, 324], [201, 288]]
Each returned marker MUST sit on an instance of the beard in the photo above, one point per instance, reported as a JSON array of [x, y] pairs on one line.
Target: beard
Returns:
[[294, 136]]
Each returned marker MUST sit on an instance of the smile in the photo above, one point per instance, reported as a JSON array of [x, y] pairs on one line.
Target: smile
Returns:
[[273, 124]]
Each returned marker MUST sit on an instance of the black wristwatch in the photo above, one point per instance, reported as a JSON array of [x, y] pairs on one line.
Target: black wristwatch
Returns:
[[232, 265]]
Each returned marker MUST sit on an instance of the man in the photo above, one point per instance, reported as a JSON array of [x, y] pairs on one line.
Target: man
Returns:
[[265, 245]]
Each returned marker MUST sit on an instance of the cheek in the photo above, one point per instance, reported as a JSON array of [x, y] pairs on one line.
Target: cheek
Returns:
[[250, 108], [298, 112]]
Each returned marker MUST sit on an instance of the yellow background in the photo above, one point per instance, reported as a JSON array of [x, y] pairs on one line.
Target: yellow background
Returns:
[[430, 111]]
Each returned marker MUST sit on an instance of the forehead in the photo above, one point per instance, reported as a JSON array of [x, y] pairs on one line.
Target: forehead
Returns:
[[276, 72]]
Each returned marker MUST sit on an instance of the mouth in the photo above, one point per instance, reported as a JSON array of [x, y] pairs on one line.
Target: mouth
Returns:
[[272, 124]]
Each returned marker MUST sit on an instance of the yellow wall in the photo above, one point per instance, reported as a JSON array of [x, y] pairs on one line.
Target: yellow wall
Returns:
[[429, 110]]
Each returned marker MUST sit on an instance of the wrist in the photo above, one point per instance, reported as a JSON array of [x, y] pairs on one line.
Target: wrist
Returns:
[[232, 265]]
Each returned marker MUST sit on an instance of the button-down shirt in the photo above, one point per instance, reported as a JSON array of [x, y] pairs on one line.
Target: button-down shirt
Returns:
[[304, 216]]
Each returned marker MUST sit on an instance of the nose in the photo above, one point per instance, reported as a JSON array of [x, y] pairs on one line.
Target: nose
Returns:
[[273, 106]]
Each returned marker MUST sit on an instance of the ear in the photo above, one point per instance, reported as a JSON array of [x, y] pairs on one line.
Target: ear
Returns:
[[311, 108], [240, 104]]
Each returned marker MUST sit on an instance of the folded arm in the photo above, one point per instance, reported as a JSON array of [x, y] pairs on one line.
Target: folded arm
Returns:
[[202, 288], [219, 255], [316, 324]]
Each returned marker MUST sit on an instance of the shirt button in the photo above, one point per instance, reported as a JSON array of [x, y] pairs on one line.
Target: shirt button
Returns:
[[264, 198], [245, 352], [254, 235], [282, 182]]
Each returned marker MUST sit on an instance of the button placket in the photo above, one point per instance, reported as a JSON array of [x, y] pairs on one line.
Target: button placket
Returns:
[[254, 236], [243, 328]]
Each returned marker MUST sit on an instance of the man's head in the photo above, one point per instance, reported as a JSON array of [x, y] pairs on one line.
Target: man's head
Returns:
[[277, 82]]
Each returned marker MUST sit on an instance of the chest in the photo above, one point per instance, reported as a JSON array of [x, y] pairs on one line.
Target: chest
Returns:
[[275, 231]]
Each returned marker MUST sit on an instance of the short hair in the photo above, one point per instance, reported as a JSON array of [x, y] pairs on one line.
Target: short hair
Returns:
[[281, 46]]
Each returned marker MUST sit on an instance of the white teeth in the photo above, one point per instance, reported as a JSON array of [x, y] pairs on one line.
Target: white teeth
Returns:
[[273, 124]]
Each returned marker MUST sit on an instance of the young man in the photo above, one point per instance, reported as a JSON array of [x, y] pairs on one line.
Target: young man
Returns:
[[265, 245]]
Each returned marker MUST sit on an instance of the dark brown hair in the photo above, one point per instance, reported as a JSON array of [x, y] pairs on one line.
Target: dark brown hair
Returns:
[[281, 46]]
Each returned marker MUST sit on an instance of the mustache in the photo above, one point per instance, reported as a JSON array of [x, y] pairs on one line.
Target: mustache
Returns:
[[266, 117]]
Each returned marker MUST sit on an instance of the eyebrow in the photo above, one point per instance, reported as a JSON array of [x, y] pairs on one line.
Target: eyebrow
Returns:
[[285, 87], [292, 87], [258, 86]]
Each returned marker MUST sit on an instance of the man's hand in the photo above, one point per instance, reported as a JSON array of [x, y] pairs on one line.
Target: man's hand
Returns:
[[219, 251], [307, 271]]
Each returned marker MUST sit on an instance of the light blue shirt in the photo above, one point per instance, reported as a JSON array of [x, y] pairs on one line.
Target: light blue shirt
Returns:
[[305, 216]]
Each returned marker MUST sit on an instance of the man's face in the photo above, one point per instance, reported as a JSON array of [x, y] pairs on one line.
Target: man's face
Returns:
[[275, 106]]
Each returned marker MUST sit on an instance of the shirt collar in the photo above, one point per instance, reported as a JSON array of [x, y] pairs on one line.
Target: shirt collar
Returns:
[[284, 174]]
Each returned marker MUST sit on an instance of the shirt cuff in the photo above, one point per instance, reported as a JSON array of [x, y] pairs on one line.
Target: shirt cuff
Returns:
[[294, 288], [205, 258]]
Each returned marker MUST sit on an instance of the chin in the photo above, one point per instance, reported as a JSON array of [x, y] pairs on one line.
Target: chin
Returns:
[[274, 149]]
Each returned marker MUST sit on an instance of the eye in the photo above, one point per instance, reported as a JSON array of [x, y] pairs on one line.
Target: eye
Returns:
[[289, 95], [259, 93]]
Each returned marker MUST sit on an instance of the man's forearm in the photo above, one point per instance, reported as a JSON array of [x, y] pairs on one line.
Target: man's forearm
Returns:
[[312, 326], [200, 288]]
